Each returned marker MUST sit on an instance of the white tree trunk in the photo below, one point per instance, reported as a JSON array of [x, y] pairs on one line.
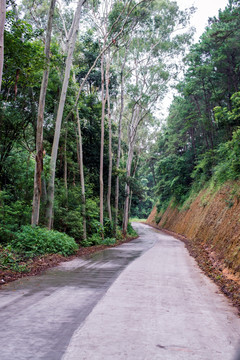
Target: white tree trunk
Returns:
[[72, 41], [132, 132], [119, 141], [39, 136], [65, 176], [127, 189], [82, 178], [2, 23], [110, 139], [102, 140]]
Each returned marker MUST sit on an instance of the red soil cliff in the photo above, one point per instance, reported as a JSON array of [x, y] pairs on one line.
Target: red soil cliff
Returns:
[[212, 221]]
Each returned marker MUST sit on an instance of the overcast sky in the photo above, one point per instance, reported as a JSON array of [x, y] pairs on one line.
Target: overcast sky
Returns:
[[205, 9]]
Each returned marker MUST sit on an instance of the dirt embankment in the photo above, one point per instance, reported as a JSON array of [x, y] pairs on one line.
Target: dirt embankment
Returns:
[[210, 227]]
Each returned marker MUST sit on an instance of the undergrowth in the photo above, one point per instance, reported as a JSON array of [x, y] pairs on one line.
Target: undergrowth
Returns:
[[30, 242]]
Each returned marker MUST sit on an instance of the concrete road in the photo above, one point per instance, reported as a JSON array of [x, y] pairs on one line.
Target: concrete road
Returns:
[[145, 300]]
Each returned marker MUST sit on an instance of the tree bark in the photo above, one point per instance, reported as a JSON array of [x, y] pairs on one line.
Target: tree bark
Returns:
[[75, 25], [131, 192], [119, 141], [102, 139], [110, 139], [132, 131], [2, 23], [65, 172], [39, 136], [82, 178]]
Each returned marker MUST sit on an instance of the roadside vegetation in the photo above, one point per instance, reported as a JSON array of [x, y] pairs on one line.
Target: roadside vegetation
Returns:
[[81, 148], [199, 143], [78, 86]]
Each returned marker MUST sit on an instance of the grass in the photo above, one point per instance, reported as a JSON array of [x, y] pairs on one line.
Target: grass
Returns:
[[137, 220]]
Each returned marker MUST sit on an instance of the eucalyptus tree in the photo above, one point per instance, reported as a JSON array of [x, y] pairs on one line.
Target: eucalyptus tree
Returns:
[[121, 109], [82, 178], [111, 20], [40, 119], [71, 46], [153, 46], [199, 136]]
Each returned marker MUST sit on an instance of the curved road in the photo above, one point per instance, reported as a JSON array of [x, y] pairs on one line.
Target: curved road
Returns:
[[144, 300]]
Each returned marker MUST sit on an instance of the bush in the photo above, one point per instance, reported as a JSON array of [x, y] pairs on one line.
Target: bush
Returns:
[[68, 212], [228, 167], [108, 228], [109, 241], [119, 234], [10, 260], [131, 231], [39, 241], [13, 214], [95, 239]]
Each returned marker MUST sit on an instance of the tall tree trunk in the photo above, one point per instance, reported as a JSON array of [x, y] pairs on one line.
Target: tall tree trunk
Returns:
[[119, 142], [110, 138], [127, 190], [102, 139], [75, 25], [2, 23], [133, 176], [82, 178], [65, 163], [132, 131], [65, 172], [39, 136]]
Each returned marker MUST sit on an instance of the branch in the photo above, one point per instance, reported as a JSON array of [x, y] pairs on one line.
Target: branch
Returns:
[[100, 54], [63, 21]]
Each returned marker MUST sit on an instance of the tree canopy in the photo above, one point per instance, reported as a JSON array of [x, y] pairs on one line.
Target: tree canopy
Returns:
[[106, 72]]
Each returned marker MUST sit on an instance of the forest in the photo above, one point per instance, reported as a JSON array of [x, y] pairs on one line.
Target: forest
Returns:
[[82, 148], [199, 142]]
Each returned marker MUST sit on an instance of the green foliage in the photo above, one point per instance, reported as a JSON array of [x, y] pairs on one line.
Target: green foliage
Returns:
[[157, 218], [23, 55], [95, 239], [130, 231], [196, 144], [9, 259], [174, 178], [108, 228], [204, 168], [35, 241], [228, 167], [119, 234], [229, 118], [13, 214], [68, 212], [109, 241], [199, 143]]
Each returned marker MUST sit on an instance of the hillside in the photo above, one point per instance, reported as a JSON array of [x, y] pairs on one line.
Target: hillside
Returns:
[[211, 223]]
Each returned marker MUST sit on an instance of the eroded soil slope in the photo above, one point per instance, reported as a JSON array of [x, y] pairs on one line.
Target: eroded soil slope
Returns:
[[210, 226]]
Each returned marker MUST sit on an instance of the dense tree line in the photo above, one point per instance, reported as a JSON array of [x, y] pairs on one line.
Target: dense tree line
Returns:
[[78, 93], [200, 140]]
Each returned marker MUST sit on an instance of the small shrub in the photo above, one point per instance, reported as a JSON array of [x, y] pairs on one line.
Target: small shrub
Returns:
[[109, 241], [95, 239], [119, 235], [86, 243], [39, 241], [157, 218], [11, 260], [13, 214], [131, 231], [99, 229], [108, 228]]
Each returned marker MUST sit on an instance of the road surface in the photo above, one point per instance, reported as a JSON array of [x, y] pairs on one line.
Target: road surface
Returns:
[[144, 300]]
